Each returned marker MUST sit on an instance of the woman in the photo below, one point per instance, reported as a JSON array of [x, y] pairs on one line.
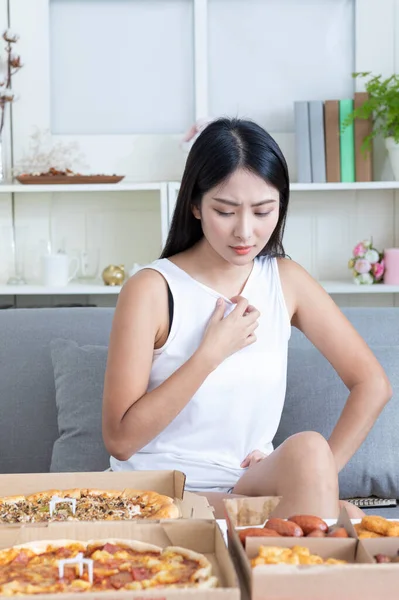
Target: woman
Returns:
[[197, 363]]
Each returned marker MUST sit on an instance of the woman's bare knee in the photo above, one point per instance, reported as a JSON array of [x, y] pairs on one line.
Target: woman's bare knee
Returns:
[[308, 450], [307, 457], [306, 442]]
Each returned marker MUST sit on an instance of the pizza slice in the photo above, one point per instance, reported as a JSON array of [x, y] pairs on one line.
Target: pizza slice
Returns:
[[152, 505]]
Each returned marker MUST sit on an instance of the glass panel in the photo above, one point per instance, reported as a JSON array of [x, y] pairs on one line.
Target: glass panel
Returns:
[[121, 66], [265, 54]]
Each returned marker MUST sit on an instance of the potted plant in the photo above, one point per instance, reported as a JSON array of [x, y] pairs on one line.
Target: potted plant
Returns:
[[382, 106]]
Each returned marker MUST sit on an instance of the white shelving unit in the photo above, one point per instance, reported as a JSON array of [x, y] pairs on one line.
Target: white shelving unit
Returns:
[[121, 197], [122, 186], [168, 193], [78, 289], [326, 187], [126, 186], [341, 187], [347, 287]]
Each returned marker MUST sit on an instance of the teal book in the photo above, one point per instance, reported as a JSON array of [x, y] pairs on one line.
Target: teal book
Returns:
[[347, 142]]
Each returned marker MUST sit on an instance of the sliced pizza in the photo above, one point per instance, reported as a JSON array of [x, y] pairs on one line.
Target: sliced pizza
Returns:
[[100, 565], [87, 505]]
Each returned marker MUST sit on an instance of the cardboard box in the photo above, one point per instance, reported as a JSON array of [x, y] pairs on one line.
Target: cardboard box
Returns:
[[382, 545], [317, 582], [170, 483], [254, 512], [360, 580], [201, 536], [249, 512]]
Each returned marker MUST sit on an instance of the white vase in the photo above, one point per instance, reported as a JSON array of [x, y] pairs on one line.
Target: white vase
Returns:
[[2, 162], [393, 152], [5, 166]]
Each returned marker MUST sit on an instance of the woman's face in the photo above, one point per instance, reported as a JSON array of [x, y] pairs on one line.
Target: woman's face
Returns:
[[239, 216]]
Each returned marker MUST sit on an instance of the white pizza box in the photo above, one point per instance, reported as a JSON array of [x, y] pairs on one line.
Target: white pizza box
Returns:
[[202, 536], [170, 483], [362, 579]]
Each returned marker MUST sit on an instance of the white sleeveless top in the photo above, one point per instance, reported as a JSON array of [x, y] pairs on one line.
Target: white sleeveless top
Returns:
[[238, 407]]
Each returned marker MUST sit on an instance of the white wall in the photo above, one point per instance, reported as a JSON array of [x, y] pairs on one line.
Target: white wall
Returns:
[[252, 57]]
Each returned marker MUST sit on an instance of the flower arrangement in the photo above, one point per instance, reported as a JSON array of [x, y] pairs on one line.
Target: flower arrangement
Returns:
[[11, 65], [367, 263]]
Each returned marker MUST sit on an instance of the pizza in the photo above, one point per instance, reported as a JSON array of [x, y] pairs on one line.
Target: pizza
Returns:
[[67, 566], [87, 505]]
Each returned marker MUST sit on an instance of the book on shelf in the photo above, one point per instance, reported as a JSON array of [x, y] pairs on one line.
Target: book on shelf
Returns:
[[325, 152], [317, 145], [331, 127], [362, 128], [347, 142], [302, 142]]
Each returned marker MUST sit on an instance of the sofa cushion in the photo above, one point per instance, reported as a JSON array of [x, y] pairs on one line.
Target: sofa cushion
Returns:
[[79, 379], [27, 391], [314, 400]]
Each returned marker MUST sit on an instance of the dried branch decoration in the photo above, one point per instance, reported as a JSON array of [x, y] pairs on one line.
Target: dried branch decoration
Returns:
[[12, 65], [44, 155]]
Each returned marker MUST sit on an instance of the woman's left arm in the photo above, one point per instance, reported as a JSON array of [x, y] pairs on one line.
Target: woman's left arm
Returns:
[[319, 318]]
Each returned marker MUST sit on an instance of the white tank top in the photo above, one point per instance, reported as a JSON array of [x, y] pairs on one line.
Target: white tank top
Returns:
[[238, 407]]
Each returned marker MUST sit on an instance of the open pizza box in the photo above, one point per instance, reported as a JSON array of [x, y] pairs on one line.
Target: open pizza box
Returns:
[[170, 483], [203, 536], [361, 579]]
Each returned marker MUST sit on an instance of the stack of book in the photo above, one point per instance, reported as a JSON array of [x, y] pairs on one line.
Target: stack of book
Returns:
[[325, 152]]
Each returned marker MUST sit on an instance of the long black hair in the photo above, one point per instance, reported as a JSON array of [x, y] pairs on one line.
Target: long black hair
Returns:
[[224, 146]]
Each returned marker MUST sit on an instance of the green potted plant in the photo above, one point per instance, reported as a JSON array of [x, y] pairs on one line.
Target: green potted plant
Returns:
[[382, 106]]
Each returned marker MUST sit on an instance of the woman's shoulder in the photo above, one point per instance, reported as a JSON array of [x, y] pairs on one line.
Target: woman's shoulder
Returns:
[[293, 279], [291, 269], [147, 281]]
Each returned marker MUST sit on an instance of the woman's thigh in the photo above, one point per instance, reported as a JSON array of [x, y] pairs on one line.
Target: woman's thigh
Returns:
[[300, 458]]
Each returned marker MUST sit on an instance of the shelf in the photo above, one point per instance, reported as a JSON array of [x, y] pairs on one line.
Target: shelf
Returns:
[[126, 186], [329, 187], [123, 186], [72, 289], [82, 289], [347, 287]]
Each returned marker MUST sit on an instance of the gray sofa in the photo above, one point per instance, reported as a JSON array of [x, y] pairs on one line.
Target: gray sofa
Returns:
[[52, 364]]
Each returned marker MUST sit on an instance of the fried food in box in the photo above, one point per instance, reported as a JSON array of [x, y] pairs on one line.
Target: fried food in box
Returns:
[[377, 525], [297, 555]]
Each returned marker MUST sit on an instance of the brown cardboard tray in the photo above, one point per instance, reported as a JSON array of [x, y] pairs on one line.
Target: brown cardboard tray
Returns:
[[170, 483], [362, 579], [202, 536]]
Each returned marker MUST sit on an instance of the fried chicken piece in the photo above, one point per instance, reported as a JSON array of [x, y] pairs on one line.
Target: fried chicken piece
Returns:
[[380, 525]]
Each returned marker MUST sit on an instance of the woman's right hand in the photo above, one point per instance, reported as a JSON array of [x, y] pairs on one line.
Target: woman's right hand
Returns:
[[226, 335]]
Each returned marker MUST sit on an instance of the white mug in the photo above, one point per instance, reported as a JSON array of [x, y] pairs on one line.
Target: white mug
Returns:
[[56, 269]]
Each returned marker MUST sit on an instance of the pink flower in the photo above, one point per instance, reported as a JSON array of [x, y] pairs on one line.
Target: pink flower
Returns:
[[378, 269], [362, 265], [359, 249]]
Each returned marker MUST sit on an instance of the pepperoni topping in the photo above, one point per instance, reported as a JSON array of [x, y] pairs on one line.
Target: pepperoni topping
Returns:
[[140, 573], [111, 548], [21, 559], [120, 579], [63, 552]]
